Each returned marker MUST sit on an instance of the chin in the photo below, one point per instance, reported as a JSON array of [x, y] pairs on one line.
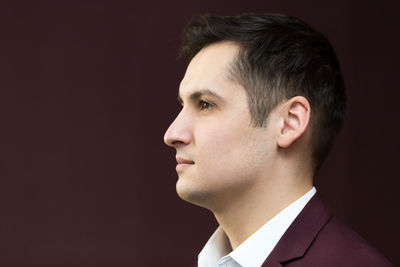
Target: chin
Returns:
[[191, 193]]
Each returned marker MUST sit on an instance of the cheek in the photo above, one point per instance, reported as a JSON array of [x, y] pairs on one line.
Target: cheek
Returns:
[[230, 145], [223, 148], [218, 139]]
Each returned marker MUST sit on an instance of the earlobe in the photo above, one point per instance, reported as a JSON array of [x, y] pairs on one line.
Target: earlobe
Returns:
[[295, 120]]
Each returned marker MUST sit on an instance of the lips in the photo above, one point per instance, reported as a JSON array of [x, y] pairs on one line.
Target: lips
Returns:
[[180, 160], [183, 163]]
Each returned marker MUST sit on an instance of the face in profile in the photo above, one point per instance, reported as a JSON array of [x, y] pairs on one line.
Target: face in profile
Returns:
[[219, 153]]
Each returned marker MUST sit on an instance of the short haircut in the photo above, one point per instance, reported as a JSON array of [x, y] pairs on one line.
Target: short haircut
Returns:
[[280, 57]]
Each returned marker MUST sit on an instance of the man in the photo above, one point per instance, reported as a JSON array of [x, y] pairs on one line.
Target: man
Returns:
[[262, 102]]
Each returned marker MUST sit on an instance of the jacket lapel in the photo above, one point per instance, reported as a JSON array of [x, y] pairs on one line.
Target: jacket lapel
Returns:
[[300, 234]]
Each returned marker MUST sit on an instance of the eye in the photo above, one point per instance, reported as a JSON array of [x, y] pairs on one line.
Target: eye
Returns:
[[205, 105]]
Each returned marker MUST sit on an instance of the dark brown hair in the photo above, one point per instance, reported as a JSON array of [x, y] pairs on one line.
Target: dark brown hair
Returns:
[[280, 57]]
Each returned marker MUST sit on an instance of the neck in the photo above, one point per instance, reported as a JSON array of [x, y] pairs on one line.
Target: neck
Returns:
[[249, 211]]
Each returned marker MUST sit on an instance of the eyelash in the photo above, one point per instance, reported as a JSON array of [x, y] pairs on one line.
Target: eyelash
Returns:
[[202, 103]]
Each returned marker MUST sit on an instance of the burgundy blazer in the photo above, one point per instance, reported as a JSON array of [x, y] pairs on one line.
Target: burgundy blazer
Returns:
[[316, 238]]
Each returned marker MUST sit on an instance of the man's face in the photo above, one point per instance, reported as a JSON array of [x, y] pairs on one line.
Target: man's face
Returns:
[[219, 154]]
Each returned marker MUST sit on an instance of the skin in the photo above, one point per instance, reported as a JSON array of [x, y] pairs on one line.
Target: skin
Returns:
[[245, 175]]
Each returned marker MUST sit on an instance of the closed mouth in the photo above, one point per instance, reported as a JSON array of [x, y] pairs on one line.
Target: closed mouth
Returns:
[[180, 160]]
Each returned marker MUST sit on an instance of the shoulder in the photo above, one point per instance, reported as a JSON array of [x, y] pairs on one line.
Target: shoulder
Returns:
[[338, 245], [317, 238]]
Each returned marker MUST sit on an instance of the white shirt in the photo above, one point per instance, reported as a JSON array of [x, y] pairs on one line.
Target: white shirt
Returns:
[[254, 250]]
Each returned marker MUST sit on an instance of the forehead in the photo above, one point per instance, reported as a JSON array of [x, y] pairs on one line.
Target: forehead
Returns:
[[210, 68]]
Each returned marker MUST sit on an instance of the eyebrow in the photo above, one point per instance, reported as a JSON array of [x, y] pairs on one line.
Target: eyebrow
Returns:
[[199, 93]]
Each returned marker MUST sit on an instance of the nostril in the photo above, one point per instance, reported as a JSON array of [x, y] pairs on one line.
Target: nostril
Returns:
[[178, 134], [169, 142], [177, 142]]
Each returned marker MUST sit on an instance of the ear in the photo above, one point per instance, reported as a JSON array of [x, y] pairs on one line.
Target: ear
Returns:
[[295, 115]]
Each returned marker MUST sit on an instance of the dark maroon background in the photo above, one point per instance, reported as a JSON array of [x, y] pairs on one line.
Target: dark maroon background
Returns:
[[87, 91]]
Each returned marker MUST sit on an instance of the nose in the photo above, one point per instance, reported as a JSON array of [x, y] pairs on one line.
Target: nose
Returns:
[[179, 132]]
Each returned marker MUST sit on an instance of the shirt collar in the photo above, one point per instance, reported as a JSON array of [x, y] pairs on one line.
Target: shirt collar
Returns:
[[217, 246], [254, 250]]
